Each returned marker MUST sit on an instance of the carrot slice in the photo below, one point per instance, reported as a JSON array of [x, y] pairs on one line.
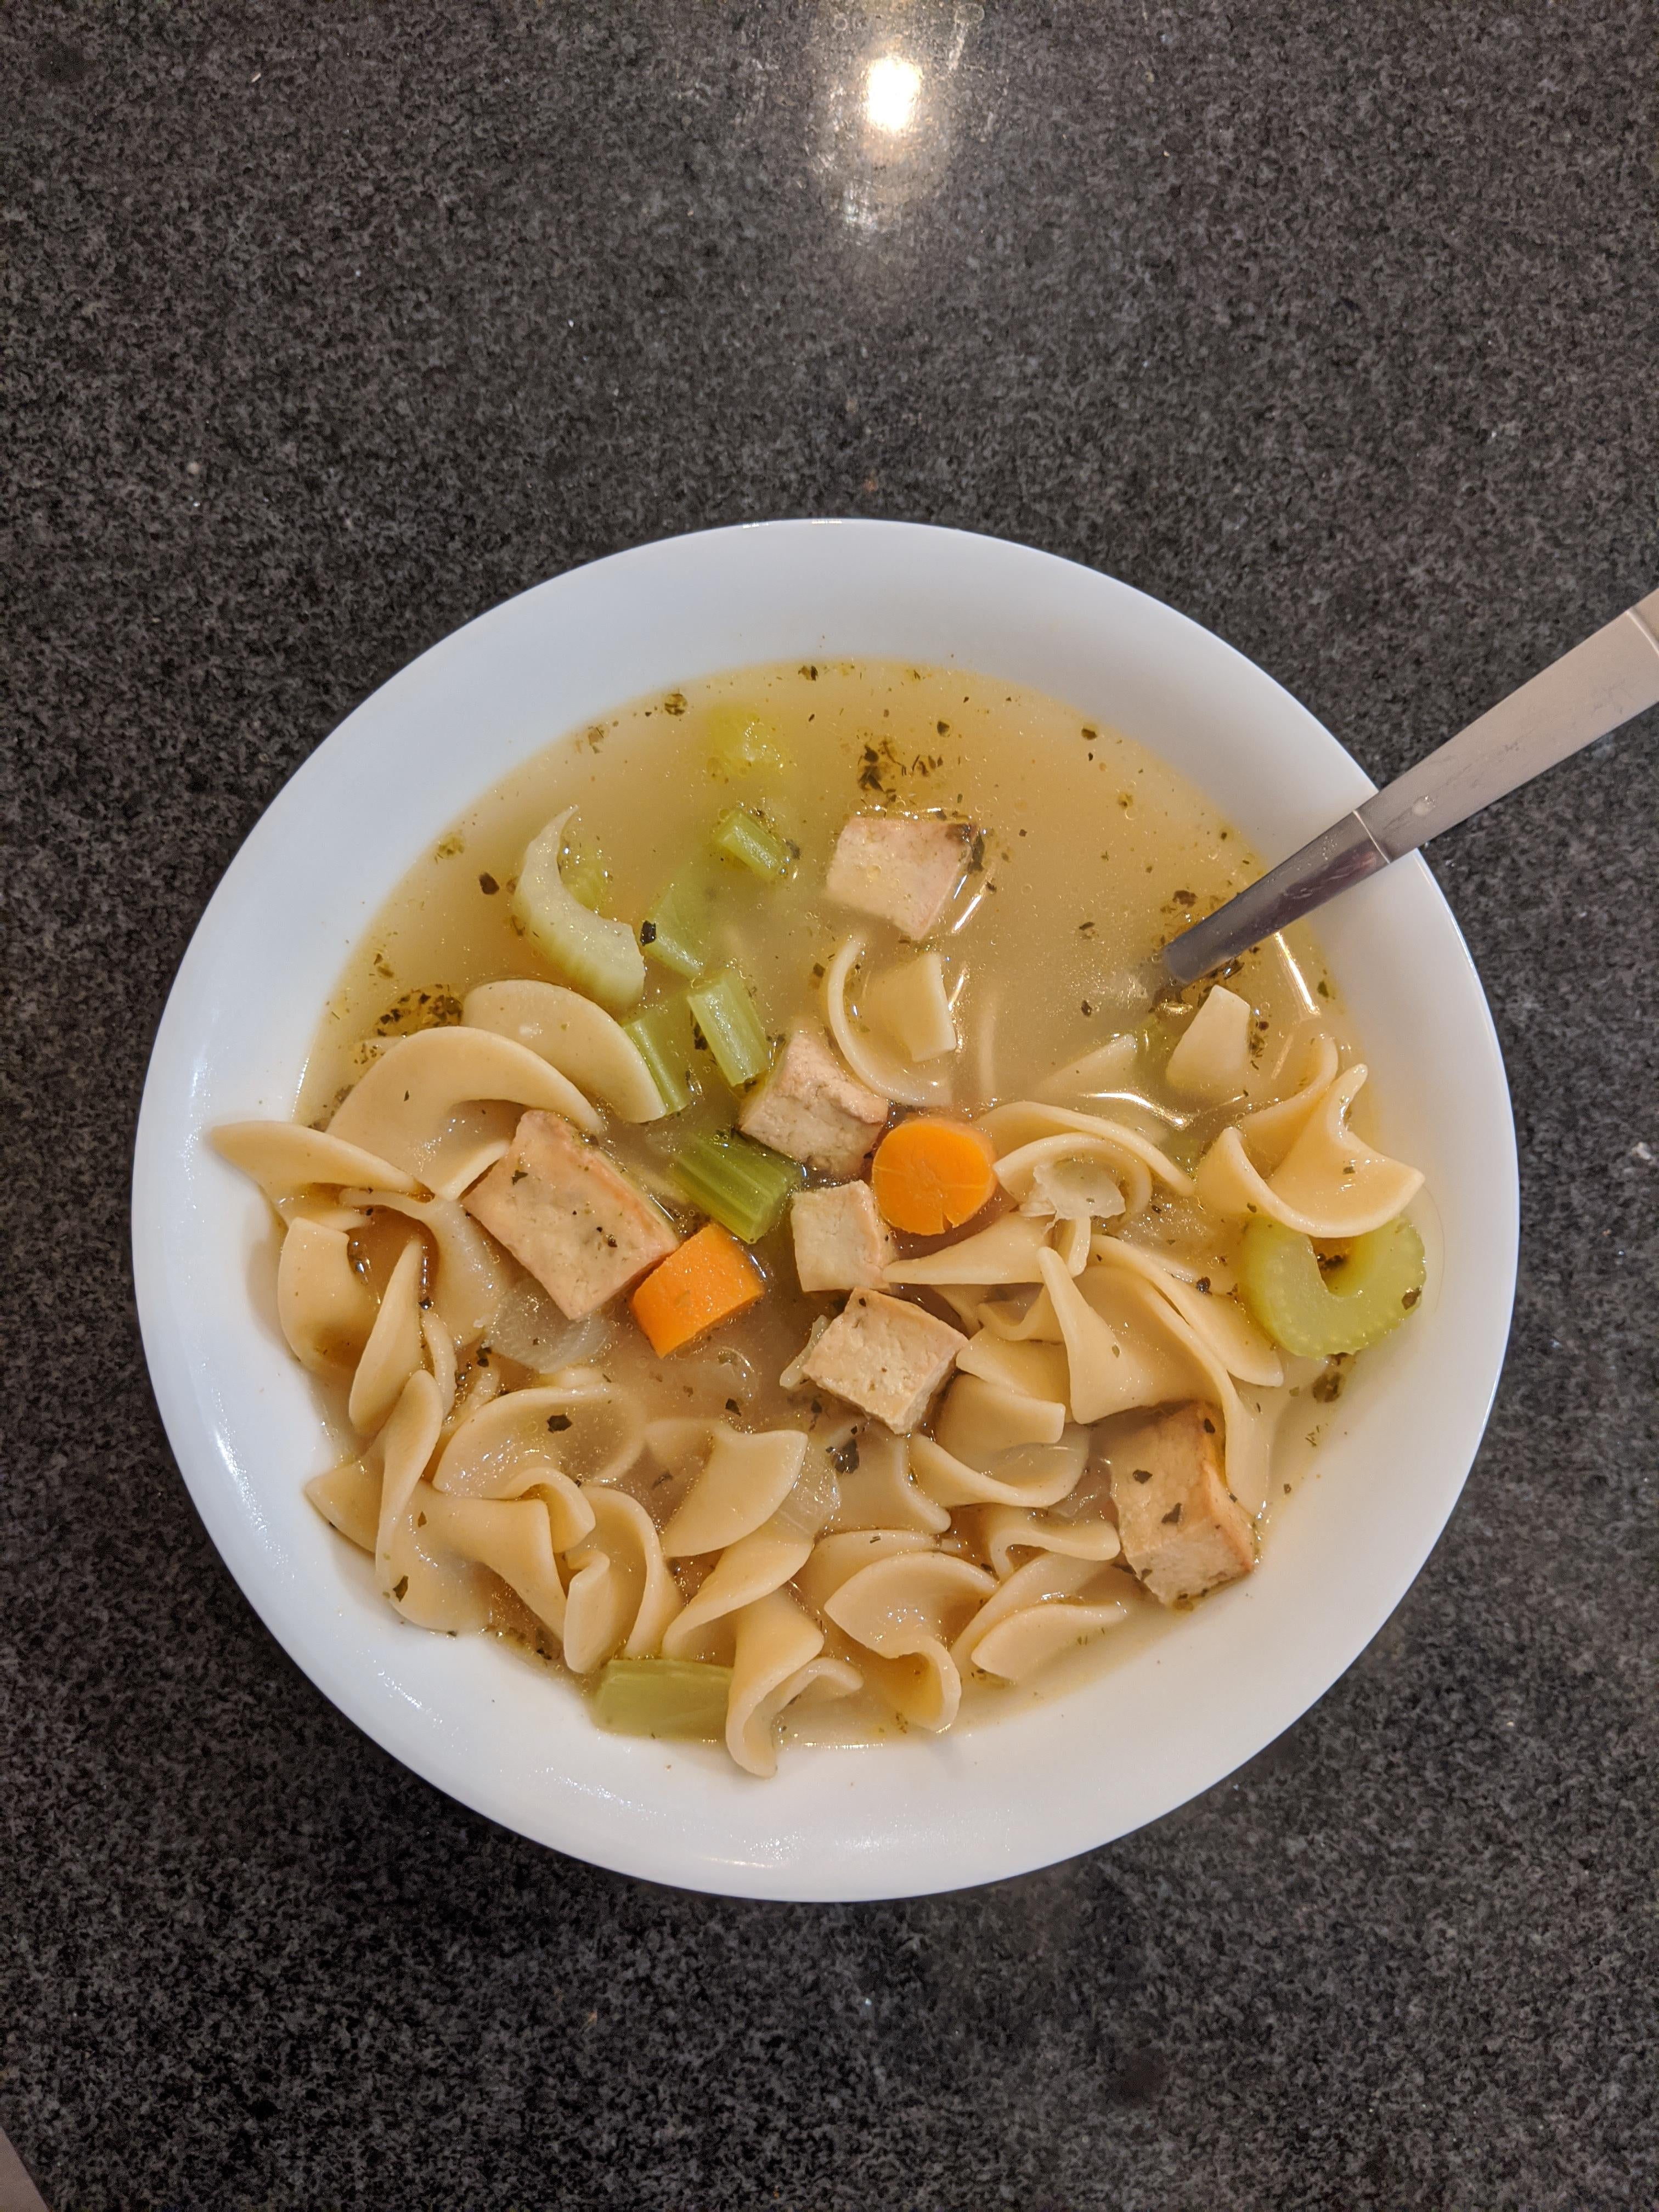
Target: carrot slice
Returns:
[[706, 1281], [929, 1175]]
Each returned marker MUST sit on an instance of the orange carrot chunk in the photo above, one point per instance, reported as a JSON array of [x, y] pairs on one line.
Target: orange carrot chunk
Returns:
[[705, 1282], [930, 1175]]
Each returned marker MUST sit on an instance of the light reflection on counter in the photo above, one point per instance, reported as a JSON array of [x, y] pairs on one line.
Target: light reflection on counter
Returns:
[[889, 111], [891, 89]]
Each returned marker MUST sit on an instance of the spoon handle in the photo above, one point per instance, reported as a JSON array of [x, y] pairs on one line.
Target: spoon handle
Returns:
[[1590, 691]]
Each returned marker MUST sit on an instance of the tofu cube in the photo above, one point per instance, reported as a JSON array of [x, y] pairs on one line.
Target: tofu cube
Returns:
[[565, 1211], [901, 867], [1181, 1529], [811, 1108], [885, 1356], [841, 1242]]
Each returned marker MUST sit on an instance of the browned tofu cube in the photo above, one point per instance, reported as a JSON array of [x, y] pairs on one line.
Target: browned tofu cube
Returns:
[[811, 1108], [1181, 1529], [567, 1212], [901, 867], [841, 1242], [885, 1356]]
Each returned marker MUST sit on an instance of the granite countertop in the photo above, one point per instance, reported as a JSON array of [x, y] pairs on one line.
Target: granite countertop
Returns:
[[330, 327]]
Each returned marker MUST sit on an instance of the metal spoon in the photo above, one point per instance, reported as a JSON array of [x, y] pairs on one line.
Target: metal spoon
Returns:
[[1567, 706]]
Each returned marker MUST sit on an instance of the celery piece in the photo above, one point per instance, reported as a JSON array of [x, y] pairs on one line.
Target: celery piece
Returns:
[[663, 1035], [742, 1185], [675, 932], [1365, 1296], [744, 837], [742, 743], [682, 1697], [598, 957], [723, 1010], [582, 869]]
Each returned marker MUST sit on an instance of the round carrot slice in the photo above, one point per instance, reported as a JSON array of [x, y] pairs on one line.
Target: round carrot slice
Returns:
[[930, 1175]]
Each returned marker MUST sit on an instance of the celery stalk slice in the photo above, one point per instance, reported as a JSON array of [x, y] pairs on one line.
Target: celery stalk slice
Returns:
[[584, 872], [725, 1013], [597, 956], [744, 743], [1363, 1297], [663, 1035], [680, 1697], [676, 930], [742, 1185], [744, 837]]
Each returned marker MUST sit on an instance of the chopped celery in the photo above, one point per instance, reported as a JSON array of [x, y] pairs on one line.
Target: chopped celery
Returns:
[[744, 837], [725, 1013], [675, 932], [742, 1185], [598, 957], [1364, 1295], [582, 869], [741, 742], [682, 1697], [663, 1035]]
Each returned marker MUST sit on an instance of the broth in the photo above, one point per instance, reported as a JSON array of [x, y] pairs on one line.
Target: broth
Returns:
[[1141, 854]]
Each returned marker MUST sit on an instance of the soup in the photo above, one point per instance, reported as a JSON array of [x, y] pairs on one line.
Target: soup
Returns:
[[764, 1255]]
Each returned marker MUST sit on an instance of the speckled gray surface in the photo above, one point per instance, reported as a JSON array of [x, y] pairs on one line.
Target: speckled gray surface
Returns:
[[328, 328]]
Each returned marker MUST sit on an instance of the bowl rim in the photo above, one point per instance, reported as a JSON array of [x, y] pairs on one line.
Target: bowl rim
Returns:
[[607, 1821]]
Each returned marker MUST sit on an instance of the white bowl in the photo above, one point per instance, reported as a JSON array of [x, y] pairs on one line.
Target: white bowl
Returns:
[[920, 1814]]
